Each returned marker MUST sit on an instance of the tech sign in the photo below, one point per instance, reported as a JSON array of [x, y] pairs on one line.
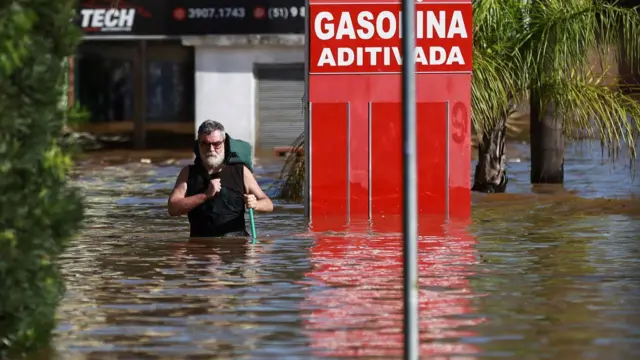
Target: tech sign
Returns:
[[366, 37], [101, 16], [107, 19]]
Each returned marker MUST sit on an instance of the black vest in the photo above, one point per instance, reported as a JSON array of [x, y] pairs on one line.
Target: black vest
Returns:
[[224, 213]]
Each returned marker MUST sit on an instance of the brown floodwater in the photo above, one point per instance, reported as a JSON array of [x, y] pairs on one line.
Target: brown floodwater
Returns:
[[544, 274]]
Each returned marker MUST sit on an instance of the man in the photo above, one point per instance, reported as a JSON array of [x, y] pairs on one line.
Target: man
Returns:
[[214, 190]]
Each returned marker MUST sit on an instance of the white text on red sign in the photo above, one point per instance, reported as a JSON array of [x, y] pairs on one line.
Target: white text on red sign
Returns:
[[369, 39]]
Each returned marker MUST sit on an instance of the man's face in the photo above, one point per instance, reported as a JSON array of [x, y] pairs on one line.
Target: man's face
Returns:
[[212, 149]]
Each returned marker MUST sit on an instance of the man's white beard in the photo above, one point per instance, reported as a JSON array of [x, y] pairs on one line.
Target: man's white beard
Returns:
[[213, 160]]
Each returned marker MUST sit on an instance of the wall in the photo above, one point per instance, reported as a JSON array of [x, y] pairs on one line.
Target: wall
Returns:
[[226, 87]]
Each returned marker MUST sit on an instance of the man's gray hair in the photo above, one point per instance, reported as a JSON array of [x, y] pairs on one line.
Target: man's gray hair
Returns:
[[209, 126]]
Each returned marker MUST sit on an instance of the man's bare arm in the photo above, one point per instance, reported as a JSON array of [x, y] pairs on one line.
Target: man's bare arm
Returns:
[[251, 187], [178, 203]]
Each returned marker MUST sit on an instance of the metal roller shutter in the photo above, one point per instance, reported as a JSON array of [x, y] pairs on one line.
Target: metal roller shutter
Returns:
[[280, 109]]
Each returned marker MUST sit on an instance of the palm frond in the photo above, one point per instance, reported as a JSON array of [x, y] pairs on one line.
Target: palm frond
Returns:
[[595, 110], [495, 85], [564, 33], [558, 53], [498, 78], [292, 175]]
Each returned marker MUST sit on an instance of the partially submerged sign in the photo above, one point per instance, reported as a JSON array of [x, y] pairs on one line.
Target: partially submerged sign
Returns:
[[354, 128]]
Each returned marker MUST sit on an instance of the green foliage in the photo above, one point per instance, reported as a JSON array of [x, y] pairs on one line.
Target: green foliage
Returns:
[[548, 47], [292, 174], [39, 211], [499, 70]]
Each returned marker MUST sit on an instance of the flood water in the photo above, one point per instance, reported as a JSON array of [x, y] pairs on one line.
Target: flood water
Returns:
[[535, 276]]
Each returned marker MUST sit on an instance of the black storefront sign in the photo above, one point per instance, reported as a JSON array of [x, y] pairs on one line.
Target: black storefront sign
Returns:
[[190, 17]]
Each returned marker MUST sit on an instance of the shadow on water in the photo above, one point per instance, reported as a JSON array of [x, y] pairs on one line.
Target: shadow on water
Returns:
[[551, 274]]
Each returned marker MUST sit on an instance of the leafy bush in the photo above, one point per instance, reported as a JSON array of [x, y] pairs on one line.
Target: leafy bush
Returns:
[[39, 211]]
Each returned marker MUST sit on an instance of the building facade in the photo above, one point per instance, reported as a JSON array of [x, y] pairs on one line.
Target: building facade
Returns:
[[148, 63]]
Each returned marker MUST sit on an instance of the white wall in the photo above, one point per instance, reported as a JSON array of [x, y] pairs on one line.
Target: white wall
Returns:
[[226, 87]]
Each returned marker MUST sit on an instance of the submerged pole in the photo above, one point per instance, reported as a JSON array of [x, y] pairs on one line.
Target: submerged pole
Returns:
[[410, 206]]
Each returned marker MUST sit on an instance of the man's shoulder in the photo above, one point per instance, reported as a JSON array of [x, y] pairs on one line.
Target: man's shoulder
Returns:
[[184, 172], [235, 166]]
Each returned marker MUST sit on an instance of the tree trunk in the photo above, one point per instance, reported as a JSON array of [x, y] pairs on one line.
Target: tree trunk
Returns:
[[490, 175], [547, 144]]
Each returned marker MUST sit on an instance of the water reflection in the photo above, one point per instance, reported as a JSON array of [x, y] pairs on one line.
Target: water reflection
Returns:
[[356, 294]]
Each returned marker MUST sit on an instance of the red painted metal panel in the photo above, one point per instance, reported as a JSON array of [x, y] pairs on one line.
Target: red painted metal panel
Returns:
[[359, 90], [329, 154], [459, 160], [387, 158], [432, 159], [359, 163]]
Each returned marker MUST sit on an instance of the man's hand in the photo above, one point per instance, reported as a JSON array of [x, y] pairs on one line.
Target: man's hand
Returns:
[[251, 201], [256, 198], [179, 203], [214, 188]]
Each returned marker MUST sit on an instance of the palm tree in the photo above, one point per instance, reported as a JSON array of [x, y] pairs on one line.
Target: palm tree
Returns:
[[497, 84], [566, 95], [548, 59]]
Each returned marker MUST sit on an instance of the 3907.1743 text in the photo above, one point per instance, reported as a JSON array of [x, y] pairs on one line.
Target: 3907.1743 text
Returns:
[[217, 13]]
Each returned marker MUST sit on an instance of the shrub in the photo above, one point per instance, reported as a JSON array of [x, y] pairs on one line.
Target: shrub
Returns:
[[39, 210]]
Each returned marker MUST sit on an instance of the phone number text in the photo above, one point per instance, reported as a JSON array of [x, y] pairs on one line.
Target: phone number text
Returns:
[[216, 13]]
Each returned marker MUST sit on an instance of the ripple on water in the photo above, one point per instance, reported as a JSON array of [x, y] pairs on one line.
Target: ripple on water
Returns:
[[538, 280]]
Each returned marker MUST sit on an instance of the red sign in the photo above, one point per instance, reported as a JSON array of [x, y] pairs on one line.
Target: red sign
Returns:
[[354, 125], [366, 38]]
